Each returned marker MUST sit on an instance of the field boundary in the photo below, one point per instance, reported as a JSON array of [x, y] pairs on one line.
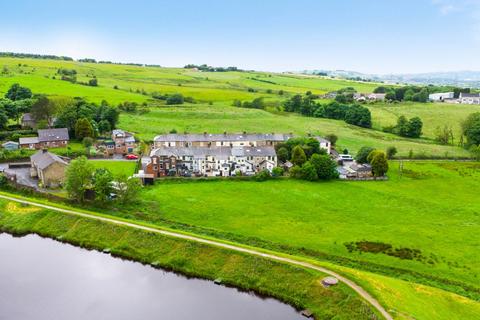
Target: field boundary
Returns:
[[290, 260]]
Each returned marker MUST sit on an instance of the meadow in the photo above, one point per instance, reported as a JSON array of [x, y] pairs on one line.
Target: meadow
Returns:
[[412, 226]]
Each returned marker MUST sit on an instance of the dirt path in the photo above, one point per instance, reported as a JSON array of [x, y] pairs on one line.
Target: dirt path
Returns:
[[364, 294]]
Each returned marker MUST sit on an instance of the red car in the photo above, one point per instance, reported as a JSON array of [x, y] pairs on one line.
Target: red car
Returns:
[[131, 157]]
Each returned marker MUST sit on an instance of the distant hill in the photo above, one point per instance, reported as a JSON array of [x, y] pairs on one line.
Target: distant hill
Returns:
[[469, 79]]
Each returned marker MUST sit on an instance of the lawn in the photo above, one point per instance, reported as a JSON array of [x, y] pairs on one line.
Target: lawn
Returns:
[[430, 208], [116, 167]]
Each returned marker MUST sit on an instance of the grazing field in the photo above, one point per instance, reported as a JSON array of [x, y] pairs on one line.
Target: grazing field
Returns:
[[219, 118], [433, 115], [116, 167], [413, 226]]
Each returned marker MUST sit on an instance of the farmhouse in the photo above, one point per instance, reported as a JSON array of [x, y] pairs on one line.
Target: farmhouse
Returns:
[[441, 97], [469, 98], [122, 142], [48, 168], [47, 138]]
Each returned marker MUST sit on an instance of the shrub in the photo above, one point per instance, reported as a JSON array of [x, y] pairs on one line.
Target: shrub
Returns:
[[379, 163], [363, 153], [391, 152], [308, 172], [277, 172], [262, 175], [176, 98]]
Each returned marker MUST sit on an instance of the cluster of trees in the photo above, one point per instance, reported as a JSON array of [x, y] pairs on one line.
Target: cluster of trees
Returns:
[[351, 113], [256, 103], [416, 93], [410, 128], [17, 101], [69, 75], [471, 130], [171, 99], [81, 177], [376, 158], [205, 67], [82, 118], [34, 56], [309, 160]]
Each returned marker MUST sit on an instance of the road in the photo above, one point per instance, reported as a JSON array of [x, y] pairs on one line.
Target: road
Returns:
[[358, 289]]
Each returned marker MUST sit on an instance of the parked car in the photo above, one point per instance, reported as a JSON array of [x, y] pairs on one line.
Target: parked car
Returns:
[[131, 157]]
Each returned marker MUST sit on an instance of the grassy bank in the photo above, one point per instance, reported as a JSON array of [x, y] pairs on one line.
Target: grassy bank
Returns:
[[296, 286]]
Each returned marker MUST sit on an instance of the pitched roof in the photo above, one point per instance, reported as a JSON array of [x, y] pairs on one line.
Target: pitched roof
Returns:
[[58, 134], [207, 137], [27, 117], [220, 152], [28, 140], [42, 159], [10, 142]]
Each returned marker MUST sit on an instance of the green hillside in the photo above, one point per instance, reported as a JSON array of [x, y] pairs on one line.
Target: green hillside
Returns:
[[214, 93]]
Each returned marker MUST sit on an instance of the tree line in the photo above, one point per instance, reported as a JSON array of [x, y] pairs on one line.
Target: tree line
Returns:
[[416, 93], [207, 68], [351, 113]]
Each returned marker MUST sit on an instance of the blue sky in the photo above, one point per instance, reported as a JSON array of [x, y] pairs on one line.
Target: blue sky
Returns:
[[375, 36]]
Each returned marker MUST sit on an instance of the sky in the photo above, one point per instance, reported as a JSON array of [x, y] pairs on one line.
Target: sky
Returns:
[[371, 36]]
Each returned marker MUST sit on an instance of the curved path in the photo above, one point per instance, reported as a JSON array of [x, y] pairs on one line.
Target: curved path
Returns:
[[364, 294]]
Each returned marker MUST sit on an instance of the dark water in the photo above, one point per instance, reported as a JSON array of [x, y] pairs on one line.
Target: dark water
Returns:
[[44, 279]]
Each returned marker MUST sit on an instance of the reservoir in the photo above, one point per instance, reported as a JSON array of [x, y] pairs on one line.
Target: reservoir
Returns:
[[44, 279]]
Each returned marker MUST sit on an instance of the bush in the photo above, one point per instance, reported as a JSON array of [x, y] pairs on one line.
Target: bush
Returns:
[[263, 175], [391, 152], [379, 163], [325, 167], [277, 172], [176, 98], [363, 153], [308, 172]]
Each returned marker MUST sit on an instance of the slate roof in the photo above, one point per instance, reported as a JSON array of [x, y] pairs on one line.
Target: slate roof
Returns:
[[220, 152], [27, 117], [42, 159], [469, 95], [209, 137], [48, 135], [28, 140]]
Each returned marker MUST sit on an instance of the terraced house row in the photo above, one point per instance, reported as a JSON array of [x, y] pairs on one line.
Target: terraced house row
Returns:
[[214, 154]]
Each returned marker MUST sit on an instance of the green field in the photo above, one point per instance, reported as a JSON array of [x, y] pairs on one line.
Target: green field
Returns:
[[429, 208], [215, 92], [433, 115], [218, 118], [115, 167]]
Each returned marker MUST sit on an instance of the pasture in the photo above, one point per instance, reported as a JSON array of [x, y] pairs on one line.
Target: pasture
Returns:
[[416, 223]]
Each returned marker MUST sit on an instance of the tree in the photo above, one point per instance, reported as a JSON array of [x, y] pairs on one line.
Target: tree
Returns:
[[402, 126], [471, 129], [414, 127], [87, 143], [332, 138], [298, 156], [93, 82], [17, 92], [258, 103], [359, 116], [363, 153], [391, 152], [104, 126], [444, 135], [83, 129], [282, 154], [45, 109], [372, 154], [379, 164], [78, 178], [102, 183], [308, 172], [127, 189], [3, 119], [176, 98], [325, 167], [475, 152]]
